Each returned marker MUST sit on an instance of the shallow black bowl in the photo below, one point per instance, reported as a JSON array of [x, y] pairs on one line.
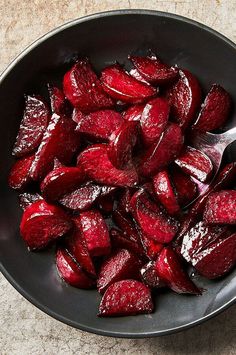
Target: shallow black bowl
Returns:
[[105, 38]]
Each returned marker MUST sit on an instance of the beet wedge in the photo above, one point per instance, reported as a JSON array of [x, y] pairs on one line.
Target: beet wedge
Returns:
[[165, 192], [122, 142], [162, 153], [61, 181], [119, 266], [98, 167], [170, 270], [150, 277], [154, 70], [133, 113], [195, 163], [59, 141], [84, 90], [27, 198], [98, 125], [122, 86], [186, 189], [59, 104], [19, 174], [184, 98], [134, 73], [43, 223], [215, 109], [126, 298], [125, 223], [120, 240], [124, 200], [32, 126], [94, 230], [71, 272], [221, 208], [152, 247]]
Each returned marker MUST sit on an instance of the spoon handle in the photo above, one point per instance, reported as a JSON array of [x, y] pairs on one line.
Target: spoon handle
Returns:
[[228, 137]]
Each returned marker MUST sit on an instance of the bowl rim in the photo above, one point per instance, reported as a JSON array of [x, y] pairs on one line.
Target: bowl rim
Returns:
[[7, 275]]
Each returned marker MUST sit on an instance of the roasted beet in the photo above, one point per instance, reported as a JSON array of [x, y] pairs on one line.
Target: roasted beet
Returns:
[[186, 189], [121, 240], [27, 198], [106, 203], [170, 270], [195, 163], [98, 167], [124, 200], [152, 247], [119, 266], [98, 125], [162, 153], [126, 298], [122, 86], [165, 192], [134, 72], [150, 277], [42, 223], [185, 98], [83, 89], [95, 231], [154, 70], [133, 113], [32, 127], [221, 207], [126, 225], [59, 103], [19, 174], [215, 109], [59, 141], [71, 272], [122, 142]]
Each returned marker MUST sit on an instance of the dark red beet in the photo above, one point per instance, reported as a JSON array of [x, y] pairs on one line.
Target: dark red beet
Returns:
[[122, 86], [42, 223], [134, 72], [98, 167], [84, 90], [19, 174], [162, 153], [71, 272], [59, 104], [185, 187], [165, 192], [124, 200], [126, 225], [217, 259], [95, 232], [61, 181], [125, 298], [152, 247], [221, 207], [153, 70], [215, 109], [170, 270], [120, 240], [122, 142], [59, 141], [185, 98], [26, 199], [133, 113], [32, 127], [106, 203], [98, 125], [119, 266], [150, 277], [154, 120], [57, 164]]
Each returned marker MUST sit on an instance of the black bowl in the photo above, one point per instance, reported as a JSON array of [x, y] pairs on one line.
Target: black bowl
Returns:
[[105, 38]]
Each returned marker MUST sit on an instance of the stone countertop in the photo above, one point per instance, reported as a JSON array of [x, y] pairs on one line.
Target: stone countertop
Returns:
[[23, 328]]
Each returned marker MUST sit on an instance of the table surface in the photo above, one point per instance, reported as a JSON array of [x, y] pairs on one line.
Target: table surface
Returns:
[[23, 328]]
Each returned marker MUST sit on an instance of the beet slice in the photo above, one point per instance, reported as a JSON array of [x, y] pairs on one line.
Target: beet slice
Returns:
[[84, 90], [98, 167], [150, 277], [27, 198], [162, 153], [133, 113], [120, 240], [106, 203], [19, 174], [186, 189], [154, 120], [154, 70], [61, 181], [170, 270], [95, 232], [59, 103], [122, 142], [215, 109], [71, 272], [165, 192], [32, 126], [152, 219], [126, 298], [42, 223], [122, 86], [185, 98], [98, 125], [57, 164], [152, 247], [134, 73], [126, 225], [221, 208], [195, 163], [124, 200], [119, 266], [217, 259], [59, 141]]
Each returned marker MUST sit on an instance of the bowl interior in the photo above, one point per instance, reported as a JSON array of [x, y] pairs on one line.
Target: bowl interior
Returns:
[[105, 39]]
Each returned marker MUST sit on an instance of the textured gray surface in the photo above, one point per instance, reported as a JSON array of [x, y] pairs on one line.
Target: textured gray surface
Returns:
[[23, 328]]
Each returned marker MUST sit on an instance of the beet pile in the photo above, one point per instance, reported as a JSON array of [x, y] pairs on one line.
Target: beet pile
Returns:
[[107, 172]]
